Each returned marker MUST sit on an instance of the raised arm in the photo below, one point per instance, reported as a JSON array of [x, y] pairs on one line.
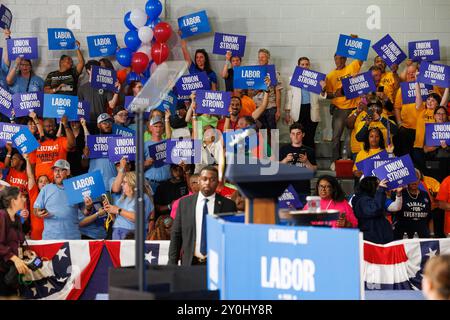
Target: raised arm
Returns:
[[419, 100], [184, 48], [11, 77], [69, 133], [30, 172], [80, 57], [260, 110], [227, 65], [444, 100], [168, 129]]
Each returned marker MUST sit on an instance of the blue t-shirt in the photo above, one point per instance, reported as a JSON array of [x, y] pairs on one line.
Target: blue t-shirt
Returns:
[[21, 83], [211, 75], [155, 174], [106, 167], [95, 230], [306, 97], [62, 222], [129, 204], [4, 69]]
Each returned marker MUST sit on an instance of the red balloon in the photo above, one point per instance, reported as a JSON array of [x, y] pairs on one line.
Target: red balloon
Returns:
[[162, 32], [160, 52], [139, 62]]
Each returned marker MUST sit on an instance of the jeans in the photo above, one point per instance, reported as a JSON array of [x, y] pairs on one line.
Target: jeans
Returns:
[[120, 233], [338, 125], [268, 120]]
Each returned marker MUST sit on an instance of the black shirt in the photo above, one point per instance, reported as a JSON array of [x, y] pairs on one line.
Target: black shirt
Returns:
[[74, 157], [97, 98], [229, 80], [69, 78], [167, 192]]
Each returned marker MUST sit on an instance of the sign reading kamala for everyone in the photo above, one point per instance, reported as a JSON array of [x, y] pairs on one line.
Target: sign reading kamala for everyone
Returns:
[[359, 85], [188, 151], [213, 102], [102, 78], [119, 147], [194, 24], [102, 46], [58, 105], [427, 50], [307, 79], [437, 132], [434, 74], [98, 145], [229, 42], [24, 103], [250, 77], [26, 48], [355, 48], [61, 39], [389, 51], [399, 172], [158, 152], [5, 17], [6, 105], [123, 131], [87, 185], [409, 91], [24, 141], [186, 84], [7, 130], [289, 199], [283, 263]]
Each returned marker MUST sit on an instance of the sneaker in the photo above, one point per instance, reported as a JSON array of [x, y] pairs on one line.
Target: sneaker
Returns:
[[333, 166]]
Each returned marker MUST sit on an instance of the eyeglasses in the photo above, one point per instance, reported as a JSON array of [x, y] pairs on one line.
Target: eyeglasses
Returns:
[[441, 113], [327, 187]]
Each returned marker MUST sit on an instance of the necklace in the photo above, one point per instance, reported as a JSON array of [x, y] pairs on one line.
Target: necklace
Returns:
[[411, 196]]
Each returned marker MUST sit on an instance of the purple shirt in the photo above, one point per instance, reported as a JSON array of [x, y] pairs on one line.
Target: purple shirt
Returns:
[[10, 238]]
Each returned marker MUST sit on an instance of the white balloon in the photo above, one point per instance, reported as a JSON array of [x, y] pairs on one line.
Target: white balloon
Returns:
[[138, 18], [145, 34], [146, 48]]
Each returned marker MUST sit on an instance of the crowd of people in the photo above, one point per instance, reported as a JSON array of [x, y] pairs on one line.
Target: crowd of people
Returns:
[[179, 196]]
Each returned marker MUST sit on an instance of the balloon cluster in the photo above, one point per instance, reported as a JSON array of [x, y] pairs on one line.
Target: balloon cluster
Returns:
[[145, 41]]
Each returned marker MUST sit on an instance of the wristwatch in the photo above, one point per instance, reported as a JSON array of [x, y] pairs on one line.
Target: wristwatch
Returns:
[[119, 211]]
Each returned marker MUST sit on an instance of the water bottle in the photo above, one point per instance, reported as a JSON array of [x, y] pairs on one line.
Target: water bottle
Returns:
[[416, 235], [405, 235], [344, 153]]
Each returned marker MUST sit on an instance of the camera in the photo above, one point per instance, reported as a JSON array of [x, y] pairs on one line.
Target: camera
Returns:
[[295, 158], [11, 278]]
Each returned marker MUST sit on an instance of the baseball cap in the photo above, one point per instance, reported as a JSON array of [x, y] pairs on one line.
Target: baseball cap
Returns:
[[103, 117], [62, 164], [155, 120]]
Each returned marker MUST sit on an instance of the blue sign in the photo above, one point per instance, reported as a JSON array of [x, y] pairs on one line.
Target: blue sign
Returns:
[[102, 46], [427, 50], [359, 85], [389, 51], [437, 132], [61, 39], [5, 17], [372, 164], [119, 147], [186, 84], [213, 102], [194, 24], [409, 91], [187, 151], [250, 77], [87, 185], [434, 74], [283, 263], [158, 152], [7, 131], [123, 131], [170, 102], [24, 141], [102, 78], [6, 105], [26, 48], [399, 172], [355, 48], [129, 104], [98, 145], [272, 74], [84, 110], [382, 155], [224, 42], [58, 105], [290, 199], [24, 103], [308, 80]]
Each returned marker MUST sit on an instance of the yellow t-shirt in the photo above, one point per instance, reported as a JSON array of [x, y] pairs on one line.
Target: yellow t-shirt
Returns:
[[424, 116], [334, 82], [363, 154], [408, 111], [375, 124], [388, 82], [355, 145]]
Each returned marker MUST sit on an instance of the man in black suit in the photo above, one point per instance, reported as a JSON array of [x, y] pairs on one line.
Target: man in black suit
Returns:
[[189, 228]]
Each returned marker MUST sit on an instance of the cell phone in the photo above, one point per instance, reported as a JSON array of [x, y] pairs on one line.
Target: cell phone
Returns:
[[105, 198], [381, 89]]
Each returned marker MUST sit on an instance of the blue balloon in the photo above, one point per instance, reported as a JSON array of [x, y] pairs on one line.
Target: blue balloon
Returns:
[[123, 56], [153, 8], [154, 23], [147, 72], [133, 76], [127, 21], [132, 40], [144, 80]]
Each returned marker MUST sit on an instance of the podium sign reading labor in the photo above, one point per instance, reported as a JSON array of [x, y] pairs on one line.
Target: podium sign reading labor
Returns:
[[187, 150], [289, 199], [61, 39], [194, 24], [102, 46], [123, 131], [186, 84], [250, 77], [24, 103], [87, 185], [6, 104], [283, 263], [213, 102], [434, 74], [26, 48], [427, 50], [24, 141], [5, 17], [389, 51], [98, 145], [355, 48], [399, 172], [307, 79], [102, 78], [7, 131], [409, 91], [359, 85], [435, 133], [119, 147], [158, 152], [224, 42], [58, 105]]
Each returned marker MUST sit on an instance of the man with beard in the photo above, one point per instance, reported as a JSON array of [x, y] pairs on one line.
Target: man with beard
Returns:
[[52, 148]]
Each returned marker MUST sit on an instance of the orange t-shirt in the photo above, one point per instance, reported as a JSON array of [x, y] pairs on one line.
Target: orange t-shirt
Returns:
[[444, 196], [47, 154], [248, 106], [18, 179], [37, 224]]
